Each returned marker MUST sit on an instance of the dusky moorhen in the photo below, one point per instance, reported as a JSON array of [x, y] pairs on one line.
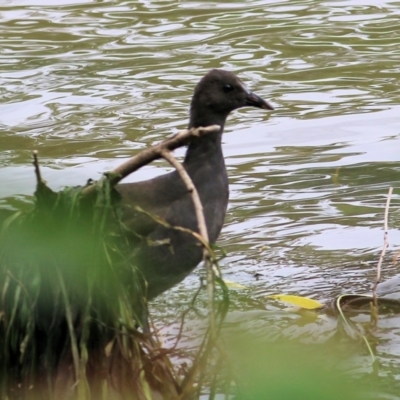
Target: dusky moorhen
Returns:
[[166, 256]]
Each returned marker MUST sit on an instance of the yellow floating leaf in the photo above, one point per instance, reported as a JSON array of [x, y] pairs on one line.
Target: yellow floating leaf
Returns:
[[303, 302], [234, 285]]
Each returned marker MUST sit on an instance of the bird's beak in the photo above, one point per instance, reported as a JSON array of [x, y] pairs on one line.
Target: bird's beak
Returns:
[[256, 101]]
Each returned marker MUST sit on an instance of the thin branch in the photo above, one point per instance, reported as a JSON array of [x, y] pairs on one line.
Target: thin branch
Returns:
[[153, 153], [198, 207], [385, 246], [163, 222], [39, 180]]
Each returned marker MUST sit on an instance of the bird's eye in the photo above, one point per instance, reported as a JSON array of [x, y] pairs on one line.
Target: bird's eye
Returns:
[[228, 88]]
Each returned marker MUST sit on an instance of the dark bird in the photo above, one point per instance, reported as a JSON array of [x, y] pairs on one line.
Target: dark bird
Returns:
[[166, 256]]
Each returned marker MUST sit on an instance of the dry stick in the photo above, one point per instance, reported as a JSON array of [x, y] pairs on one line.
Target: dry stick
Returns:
[[37, 169], [163, 222], [153, 153], [385, 246], [204, 236], [198, 207]]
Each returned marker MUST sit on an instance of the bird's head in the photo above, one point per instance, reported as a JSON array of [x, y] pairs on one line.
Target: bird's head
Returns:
[[217, 94]]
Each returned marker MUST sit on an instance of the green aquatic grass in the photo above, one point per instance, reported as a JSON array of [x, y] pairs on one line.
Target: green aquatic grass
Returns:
[[70, 296], [73, 314]]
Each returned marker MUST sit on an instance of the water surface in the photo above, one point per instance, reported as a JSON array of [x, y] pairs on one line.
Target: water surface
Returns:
[[89, 83]]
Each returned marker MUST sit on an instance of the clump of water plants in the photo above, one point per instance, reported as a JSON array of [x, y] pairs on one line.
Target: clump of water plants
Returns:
[[72, 303]]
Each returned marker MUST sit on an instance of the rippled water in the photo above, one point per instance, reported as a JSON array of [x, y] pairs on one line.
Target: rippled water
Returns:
[[88, 83]]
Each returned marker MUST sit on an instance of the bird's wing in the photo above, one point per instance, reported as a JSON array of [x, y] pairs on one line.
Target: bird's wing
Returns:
[[155, 197]]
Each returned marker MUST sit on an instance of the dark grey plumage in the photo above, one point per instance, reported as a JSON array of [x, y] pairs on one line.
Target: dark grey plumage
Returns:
[[217, 94]]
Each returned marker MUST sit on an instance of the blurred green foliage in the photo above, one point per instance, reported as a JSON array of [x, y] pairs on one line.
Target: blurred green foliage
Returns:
[[284, 370], [69, 294]]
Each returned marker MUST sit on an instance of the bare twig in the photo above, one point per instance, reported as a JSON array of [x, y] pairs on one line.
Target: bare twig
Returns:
[[198, 207], [385, 246], [163, 222], [154, 153], [39, 180]]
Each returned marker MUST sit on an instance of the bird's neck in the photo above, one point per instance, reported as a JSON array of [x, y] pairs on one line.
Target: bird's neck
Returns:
[[202, 150], [206, 147], [205, 164]]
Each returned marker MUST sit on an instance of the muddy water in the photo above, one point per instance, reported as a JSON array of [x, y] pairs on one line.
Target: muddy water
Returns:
[[89, 83]]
